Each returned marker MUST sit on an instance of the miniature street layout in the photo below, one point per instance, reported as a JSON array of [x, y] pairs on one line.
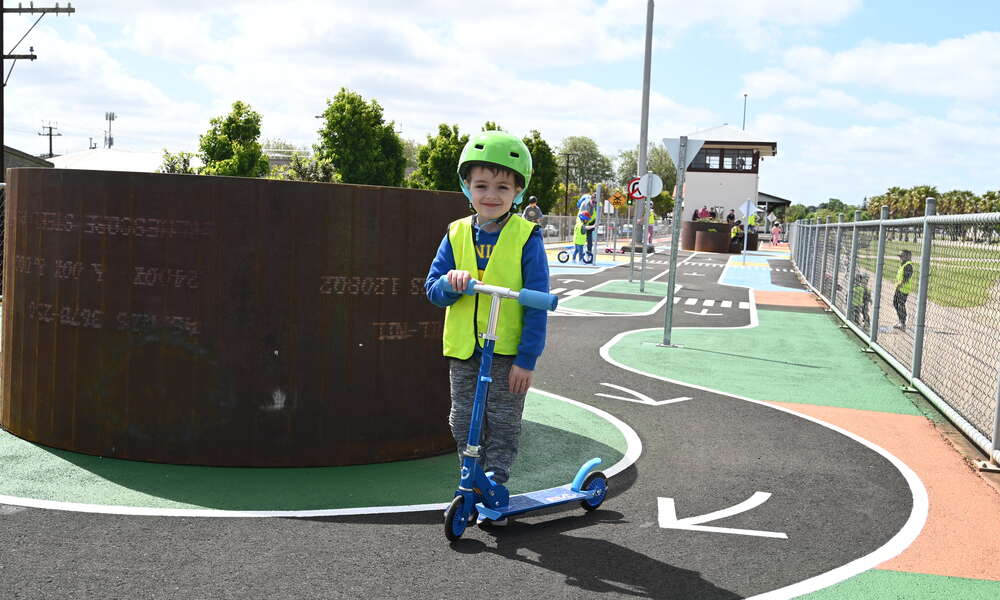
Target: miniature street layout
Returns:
[[760, 455]]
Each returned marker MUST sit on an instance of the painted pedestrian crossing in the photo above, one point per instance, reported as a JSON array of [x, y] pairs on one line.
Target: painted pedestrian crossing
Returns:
[[722, 265]]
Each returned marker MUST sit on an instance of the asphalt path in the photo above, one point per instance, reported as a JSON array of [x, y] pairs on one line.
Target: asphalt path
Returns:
[[834, 499]]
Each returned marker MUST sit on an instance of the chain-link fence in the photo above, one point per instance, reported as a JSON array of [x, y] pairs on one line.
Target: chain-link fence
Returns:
[[925, 294]]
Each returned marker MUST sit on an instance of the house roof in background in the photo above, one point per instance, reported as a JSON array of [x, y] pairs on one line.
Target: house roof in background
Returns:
[[727, 136]]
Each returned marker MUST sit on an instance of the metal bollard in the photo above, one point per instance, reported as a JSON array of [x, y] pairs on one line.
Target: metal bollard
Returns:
[[836, 260]]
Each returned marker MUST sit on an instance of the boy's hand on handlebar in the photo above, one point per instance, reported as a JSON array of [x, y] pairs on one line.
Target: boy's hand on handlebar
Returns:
[[458, 280], [519, 379]]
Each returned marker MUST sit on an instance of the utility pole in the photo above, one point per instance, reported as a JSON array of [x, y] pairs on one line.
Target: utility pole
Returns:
[[50, 134], [109, 140], [744, 112], [31, 10], [566, 199]]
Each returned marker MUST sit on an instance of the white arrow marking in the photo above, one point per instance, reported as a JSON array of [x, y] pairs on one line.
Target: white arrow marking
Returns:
[[668, 517], [556, 291], [640, 398], [570, 281], [704, 313]]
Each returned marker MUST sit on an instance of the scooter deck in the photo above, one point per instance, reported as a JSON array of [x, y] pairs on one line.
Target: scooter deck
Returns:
[[522, 503]]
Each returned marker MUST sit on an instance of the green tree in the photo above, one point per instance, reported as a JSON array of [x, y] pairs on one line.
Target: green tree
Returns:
[[361, 145], [958, 202], [492, 126], [545, 176], [410, 150], [587, 165], [306, 168], [230, 145], [990, 202], [177, 163], [437, 160], [659, 162], [795, 212]]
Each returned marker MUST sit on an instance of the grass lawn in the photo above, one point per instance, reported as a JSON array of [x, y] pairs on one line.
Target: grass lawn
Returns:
[[959, 281]]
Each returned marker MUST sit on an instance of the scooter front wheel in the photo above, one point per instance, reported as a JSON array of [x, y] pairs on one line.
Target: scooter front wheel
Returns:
[[588, 258], [563, 256], [454, 521], [596, 481]]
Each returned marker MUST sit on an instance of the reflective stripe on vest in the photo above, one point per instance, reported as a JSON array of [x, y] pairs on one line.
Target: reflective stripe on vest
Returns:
[[906, 288], [467, 317]]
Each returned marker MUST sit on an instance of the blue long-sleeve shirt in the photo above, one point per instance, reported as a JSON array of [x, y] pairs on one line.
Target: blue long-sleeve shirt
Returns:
[[534, 274]]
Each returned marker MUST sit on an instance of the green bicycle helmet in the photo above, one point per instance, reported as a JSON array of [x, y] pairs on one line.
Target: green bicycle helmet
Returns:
[[495, 148]]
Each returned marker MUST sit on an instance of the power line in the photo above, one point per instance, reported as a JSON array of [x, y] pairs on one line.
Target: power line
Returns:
[[20, 10]]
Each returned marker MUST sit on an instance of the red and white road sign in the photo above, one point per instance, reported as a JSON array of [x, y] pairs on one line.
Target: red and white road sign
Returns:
[[633, 189]]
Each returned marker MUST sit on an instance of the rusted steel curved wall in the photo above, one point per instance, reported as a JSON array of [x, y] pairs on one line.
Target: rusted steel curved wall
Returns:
[[223, 321]]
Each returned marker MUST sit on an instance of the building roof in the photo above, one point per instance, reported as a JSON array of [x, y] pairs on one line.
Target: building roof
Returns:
[[726, 136], [25, 157], [108, 159], [771, 200]]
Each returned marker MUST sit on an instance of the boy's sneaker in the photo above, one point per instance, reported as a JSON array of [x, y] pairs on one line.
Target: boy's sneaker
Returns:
[[484, 522]]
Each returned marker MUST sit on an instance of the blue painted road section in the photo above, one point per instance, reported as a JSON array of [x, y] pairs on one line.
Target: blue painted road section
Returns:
[[754, 272]]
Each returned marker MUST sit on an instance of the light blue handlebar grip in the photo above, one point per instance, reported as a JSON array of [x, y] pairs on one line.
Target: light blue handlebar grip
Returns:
[[539, 300], [469, 291]]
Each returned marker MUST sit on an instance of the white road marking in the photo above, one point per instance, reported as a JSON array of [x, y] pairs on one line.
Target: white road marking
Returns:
[[668, 517], [726, 304]]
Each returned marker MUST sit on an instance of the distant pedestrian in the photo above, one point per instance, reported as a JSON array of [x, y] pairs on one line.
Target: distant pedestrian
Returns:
[[532, 212], [860, 299], [731, 217], [905, 281], [736, 236], [579, 237], [775, 234]]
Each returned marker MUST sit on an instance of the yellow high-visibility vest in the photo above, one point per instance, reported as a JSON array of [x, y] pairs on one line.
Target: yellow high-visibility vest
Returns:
[[468, 317]]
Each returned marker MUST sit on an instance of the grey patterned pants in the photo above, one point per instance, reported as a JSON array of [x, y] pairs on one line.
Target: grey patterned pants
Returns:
[[502, 423]]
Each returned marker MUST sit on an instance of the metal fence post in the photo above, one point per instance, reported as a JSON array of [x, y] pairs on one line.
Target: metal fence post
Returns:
[[995, 447], [813, 247], [925, 275], [826, 254], [879, 265], [852, 272], [836, 260]]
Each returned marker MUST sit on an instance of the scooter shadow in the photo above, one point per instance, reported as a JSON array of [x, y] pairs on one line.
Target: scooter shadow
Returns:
[[592, 564]]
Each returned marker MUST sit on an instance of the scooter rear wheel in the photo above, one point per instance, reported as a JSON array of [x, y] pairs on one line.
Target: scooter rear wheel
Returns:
[[454, 522], [588, 258], [563, 256], [594, 481]]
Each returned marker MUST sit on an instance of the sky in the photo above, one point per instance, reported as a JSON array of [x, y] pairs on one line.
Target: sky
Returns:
[[859, 95]]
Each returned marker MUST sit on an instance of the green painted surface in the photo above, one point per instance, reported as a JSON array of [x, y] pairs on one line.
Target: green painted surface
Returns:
[[653, 288], [557, 437], [617, 305], [789, 357], [895, 585]]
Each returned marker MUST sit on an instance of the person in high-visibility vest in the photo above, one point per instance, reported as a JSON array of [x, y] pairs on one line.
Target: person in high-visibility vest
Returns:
[[860, 299], [579, 237], [906, 280], [649, 227], [736, 236]]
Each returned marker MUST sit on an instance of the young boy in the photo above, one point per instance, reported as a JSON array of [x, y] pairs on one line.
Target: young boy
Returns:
[[498, 247], [579, 237]]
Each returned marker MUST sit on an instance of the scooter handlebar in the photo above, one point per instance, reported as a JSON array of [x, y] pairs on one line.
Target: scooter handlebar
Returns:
[[526, 297]]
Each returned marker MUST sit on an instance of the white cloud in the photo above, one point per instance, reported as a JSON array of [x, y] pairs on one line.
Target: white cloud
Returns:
[[966, 68]]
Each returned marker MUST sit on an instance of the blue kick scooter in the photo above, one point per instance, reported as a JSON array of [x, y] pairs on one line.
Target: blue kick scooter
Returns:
[[477, 493]]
